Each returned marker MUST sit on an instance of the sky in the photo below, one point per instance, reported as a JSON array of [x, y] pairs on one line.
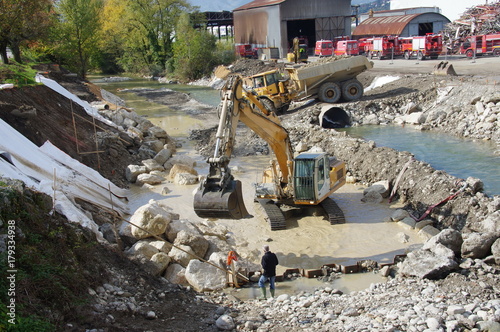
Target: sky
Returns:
[[218, 5], [451, 9]]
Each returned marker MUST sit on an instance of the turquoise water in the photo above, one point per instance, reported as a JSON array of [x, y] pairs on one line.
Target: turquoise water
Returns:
[[459, 157]]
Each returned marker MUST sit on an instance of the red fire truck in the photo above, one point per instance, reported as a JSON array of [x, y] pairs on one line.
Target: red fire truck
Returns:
[[349, 47], [422, 47], [481, 45], [245, 51], [382, 47]]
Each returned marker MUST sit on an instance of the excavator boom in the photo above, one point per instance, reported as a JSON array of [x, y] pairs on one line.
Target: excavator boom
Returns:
[[219, 195]]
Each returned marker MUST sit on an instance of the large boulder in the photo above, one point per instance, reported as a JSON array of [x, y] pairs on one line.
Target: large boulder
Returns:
[[176, 274], [495, 250], [205, 277], [179, 225], [149, 179], [179, 159], [450, 238], [152, 165], [185, 179], [133, 171], [160, 262], [142, 249], [150, 219], [195, 241], [182, 254], [381, 187], [180, 168], [162, 156], [431, 263], [399, 214], [477, 245]]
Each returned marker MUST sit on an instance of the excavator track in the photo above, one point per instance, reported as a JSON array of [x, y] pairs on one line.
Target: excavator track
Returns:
[[273, 214], [333, 211]]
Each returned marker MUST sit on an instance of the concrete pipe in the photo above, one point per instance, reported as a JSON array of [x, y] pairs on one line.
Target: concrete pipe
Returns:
[[333, 117]]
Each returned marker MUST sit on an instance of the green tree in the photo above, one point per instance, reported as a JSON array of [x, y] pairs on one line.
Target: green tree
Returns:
[[80, 27], [149, 26], [23, 21], [193, 51]]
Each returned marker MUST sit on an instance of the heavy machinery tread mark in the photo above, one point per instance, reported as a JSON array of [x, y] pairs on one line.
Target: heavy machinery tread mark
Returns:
[[274, 214], [335, 214]]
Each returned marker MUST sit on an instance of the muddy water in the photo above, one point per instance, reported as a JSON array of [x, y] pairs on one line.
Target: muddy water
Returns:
[[308, 242]]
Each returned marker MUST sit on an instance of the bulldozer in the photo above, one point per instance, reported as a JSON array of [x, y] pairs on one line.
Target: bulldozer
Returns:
[[296, 181]]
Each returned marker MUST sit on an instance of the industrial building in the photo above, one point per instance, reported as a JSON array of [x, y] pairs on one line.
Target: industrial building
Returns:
[[275, 23], [401, 22]]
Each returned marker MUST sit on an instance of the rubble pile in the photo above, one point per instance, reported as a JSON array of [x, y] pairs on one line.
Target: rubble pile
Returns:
[[478, 20], [449, 105]]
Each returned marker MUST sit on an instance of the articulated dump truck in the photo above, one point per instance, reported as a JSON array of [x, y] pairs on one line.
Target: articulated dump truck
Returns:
[[330, 80], [292, 181]]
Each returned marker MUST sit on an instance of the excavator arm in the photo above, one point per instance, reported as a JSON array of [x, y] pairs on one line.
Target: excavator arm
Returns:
[[220, 195]]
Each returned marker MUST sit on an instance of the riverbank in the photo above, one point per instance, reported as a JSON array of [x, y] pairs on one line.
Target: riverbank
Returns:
[[127, 298]]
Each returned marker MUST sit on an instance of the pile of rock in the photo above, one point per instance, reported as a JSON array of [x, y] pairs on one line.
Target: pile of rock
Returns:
[[465, 301], [464, 110], [183, 252]]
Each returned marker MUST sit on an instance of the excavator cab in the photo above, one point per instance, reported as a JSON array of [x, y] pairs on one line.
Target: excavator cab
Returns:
[[266, 83], [316, 176]]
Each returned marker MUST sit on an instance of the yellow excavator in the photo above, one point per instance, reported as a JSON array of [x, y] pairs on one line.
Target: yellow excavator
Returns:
[[304, 180]]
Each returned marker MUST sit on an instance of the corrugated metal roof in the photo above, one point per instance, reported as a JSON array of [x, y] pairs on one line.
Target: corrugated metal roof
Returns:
[[384, 25], [259, 3]]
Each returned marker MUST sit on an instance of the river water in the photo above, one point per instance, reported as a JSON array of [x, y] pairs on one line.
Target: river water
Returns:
[[457, 156], [364, 236]]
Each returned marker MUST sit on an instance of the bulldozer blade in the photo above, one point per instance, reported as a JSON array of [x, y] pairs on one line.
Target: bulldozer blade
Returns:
[[220, 203], [444, 68]]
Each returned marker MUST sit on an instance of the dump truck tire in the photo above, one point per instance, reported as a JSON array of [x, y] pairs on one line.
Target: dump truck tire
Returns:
[[352, 90], [329, 92], [269, 105]]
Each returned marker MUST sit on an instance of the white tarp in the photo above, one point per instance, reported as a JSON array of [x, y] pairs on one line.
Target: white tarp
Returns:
[[41, 167], [381, 80], [92, 111]]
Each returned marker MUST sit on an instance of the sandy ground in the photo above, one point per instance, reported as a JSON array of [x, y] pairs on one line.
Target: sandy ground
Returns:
[[309, 241]]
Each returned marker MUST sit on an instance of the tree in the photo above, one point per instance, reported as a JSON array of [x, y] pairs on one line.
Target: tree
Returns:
[[193, 50], [150, 28], [22, 21], [80, 26]]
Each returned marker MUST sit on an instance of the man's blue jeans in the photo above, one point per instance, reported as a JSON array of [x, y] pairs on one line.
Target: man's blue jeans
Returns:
[[263, 279]]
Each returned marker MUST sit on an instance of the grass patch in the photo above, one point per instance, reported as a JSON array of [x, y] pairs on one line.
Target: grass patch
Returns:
[[18, 74]]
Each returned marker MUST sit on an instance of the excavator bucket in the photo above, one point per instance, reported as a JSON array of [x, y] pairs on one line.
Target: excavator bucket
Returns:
[[444, 68], [212, 201]]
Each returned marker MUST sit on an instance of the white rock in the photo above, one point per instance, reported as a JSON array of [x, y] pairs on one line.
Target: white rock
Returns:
[[176, 274], [149, 179], [225, 322], [205, 277], [182, 255], [152, 219], [142, 248]]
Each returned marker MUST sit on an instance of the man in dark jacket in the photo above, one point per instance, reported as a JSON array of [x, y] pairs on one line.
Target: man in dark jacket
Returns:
[[268, 262]]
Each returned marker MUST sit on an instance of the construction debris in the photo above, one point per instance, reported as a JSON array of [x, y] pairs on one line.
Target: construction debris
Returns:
[[478, 20]]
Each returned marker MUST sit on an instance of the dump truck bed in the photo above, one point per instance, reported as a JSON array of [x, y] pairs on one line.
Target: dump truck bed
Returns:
[[337, 71]]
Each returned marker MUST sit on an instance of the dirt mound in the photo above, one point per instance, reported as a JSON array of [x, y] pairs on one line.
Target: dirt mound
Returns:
[[249, 67]]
